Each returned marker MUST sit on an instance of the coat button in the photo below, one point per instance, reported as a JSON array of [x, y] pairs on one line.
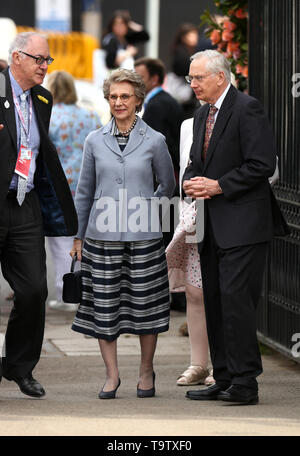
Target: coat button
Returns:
[[121, 160], [119, 181]]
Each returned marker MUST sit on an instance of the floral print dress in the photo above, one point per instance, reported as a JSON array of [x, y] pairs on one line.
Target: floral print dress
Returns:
[[69, 126]]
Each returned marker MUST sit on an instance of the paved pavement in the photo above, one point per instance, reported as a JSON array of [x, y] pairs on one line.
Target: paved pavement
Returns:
[[72, 372]]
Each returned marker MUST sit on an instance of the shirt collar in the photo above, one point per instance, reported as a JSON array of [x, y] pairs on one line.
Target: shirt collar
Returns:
[[114, 129], [152, 93], [220, 100], [15, 85]]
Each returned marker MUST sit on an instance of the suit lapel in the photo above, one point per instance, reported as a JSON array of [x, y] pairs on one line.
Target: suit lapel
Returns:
[[222, 119], [39, 107], [198, 135], [110, 140], [8, 109], [135, 139]]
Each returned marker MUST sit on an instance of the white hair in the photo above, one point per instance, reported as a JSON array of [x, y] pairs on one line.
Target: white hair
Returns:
[[215, 62], [20, 43]]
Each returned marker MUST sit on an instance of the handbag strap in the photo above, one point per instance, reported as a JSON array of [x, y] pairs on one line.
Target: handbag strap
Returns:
[[74, 259]]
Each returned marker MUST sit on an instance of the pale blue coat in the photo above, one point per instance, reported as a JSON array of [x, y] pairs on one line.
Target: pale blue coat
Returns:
[[115, 197]]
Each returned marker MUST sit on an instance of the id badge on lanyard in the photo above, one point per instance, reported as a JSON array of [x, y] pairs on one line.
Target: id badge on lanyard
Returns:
[[23, 162]]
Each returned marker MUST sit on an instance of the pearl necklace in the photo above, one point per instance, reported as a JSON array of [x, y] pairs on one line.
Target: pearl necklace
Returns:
[[126, 132]]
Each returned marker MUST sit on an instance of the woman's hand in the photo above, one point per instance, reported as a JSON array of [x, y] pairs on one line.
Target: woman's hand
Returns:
[[131, 50], [77, 248]]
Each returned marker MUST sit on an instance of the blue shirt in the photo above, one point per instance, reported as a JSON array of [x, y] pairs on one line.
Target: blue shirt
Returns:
[[151, 94], [34, 136]]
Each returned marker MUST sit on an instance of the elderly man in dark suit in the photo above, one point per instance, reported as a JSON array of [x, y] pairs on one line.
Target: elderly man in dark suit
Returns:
[[35, 201], [231, 159]]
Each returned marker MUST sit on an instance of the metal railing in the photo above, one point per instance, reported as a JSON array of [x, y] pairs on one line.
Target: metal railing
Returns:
[[274, 61]]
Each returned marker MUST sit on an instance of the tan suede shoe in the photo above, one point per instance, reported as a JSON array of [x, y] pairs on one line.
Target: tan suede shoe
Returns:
[[194, 375], [210, 379]]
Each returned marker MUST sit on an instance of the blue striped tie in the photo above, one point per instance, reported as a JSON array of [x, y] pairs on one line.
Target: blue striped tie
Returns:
[[22, 182]]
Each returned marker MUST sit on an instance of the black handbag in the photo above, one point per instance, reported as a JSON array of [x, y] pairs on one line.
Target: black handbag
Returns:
[[72, 285]]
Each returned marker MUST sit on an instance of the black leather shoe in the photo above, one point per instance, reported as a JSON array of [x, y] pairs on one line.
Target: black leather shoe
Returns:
[[207, 394], [146, 393], [239, 394], [30, 386], [109, 394]]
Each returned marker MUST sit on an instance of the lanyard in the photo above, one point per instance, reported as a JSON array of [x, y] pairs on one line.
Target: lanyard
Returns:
[[20, 114]]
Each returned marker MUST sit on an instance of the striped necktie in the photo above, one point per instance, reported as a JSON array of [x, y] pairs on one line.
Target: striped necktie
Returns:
[[22, 182]]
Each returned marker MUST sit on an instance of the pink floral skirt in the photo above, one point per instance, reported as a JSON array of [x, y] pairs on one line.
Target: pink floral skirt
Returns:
[[182, 253]]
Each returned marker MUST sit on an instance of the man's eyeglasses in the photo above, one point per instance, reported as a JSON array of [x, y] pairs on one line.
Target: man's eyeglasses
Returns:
[[198, 78], [39, 59], [124, 97]]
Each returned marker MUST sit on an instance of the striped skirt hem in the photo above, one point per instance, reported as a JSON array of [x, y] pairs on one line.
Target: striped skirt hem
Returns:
[[125, 289]]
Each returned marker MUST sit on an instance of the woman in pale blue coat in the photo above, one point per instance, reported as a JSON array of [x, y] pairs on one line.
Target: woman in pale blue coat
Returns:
[[119, 240], [69, 126]]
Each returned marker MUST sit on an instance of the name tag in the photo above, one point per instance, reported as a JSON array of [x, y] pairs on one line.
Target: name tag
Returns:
[[23, 162]]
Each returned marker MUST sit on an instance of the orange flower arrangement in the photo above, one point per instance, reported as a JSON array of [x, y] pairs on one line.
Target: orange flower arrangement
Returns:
[[229, 34]]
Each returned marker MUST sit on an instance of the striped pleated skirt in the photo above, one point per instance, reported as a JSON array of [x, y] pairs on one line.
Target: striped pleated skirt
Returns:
[[125, 289]]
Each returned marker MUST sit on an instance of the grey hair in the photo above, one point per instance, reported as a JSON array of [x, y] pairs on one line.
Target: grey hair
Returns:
[[215, 62], [130, 76], [20, 43]]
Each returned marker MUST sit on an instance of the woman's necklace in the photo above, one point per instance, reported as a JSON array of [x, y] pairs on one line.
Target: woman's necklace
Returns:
[[126, 132]]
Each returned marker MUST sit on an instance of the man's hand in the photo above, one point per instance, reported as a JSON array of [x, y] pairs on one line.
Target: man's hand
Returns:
[[201, 187]]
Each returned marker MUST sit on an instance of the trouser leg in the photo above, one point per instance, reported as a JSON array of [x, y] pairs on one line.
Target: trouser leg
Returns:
[[241, 272], [23, 262], [232, 280], [213, 310]]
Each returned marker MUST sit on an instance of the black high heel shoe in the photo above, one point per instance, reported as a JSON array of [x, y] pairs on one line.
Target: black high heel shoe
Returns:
[[109, 394], [146, 393]]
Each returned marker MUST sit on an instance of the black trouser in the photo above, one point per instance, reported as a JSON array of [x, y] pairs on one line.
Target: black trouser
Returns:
[[23, 263], [232, 281]]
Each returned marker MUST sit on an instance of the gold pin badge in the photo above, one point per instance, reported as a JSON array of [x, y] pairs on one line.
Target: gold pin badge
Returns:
[[43, 99]]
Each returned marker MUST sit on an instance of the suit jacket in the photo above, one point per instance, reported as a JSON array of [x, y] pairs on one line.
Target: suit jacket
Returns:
[[115, 187], [58, 211], [164, 114], [241, 156]]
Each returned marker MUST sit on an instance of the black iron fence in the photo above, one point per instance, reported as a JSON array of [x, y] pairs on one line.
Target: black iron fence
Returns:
[[274, 39]]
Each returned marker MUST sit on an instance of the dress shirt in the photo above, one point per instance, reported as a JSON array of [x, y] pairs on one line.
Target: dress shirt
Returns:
[[220, 100]]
